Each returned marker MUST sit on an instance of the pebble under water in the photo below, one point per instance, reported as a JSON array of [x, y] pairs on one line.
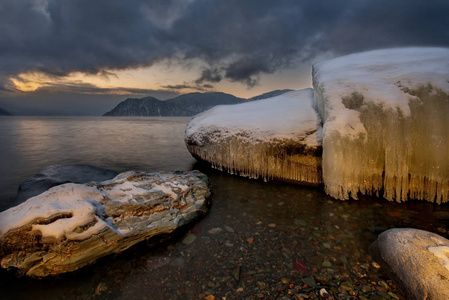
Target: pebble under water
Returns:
[[258, 241]]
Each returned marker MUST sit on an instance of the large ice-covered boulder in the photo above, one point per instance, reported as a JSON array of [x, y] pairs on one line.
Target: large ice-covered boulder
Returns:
[[386, 125], [417, 260], [72, 225], [275, 138]]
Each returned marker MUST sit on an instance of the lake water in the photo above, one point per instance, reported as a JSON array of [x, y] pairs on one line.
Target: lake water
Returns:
[[30, 144], [259, 240]]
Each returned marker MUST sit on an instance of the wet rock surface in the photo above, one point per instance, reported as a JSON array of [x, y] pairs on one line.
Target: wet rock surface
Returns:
[[279, 236], [417, 259], [72, 225], [60, 174]]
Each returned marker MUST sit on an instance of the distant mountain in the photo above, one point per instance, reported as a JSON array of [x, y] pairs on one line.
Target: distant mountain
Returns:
[[148, 106], [269, 94], [4, 112], [182, 106]]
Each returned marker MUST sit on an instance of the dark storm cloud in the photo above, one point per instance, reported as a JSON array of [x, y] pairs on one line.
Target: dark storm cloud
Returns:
[[197, 87], [177, 86], [238, 40], [207, 86], [247, 69], [87, 88], [209, 75], [382, 24]]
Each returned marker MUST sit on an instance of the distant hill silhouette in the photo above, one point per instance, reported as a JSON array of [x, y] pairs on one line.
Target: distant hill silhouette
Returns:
[[4, 112], [182, 106], [269, 94]]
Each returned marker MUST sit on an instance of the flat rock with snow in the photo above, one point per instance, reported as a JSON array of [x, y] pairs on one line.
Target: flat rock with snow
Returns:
[[59, 174], [386, 130], [72, 225], [417, 260], [275, 138]]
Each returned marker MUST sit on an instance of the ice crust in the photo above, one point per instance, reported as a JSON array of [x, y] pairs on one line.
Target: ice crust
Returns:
[[386, 125], [279, 137]]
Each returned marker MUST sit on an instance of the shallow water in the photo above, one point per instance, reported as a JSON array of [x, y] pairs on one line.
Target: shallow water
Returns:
[[259, 240]]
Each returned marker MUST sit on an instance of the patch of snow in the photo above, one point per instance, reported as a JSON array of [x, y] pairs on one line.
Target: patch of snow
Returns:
[[125, 191], [442, 253], [380, 76], [288, 116], [124, 231], [76, 211], [64, 200]]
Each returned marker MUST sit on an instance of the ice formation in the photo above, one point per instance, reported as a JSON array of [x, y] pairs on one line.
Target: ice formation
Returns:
[[386, 125], [72, 225], [279, 137]]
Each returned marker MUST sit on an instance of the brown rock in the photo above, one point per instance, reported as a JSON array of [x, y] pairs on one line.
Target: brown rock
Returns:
[[417, 260], [72, 225]]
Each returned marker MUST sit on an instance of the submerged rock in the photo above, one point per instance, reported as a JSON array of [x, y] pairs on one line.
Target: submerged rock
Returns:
[[72, 225], [385, 129], [275, 138], [59, 174], [418, 260]]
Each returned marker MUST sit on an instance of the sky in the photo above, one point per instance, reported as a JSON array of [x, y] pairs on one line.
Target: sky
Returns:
[[82, 57]]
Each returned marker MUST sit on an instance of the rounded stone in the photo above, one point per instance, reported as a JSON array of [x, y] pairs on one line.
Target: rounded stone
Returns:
[[417, 261]]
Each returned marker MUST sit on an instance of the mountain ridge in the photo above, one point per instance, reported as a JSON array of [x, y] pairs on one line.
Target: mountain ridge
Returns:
[[186, 105], [269, 94]]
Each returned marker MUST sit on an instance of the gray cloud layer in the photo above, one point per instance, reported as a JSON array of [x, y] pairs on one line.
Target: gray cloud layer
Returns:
[[239, 40]]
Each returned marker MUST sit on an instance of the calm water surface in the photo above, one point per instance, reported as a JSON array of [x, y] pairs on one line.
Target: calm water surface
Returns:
[[259, 240], [30, 144]]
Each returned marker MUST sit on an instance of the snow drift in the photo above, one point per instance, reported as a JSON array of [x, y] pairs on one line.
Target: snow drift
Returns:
[[386, 125]]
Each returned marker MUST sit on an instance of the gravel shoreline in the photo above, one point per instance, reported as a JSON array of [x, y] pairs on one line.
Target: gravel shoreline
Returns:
[[259, 241]]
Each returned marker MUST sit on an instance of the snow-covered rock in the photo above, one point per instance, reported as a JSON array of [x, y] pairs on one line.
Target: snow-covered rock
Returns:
[[386, 125], [72, 225], [59, 174], [275, 138], [417, 260]]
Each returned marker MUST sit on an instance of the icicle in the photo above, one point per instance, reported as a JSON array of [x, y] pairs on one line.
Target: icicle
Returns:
[[277, 138], [386, 126]]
